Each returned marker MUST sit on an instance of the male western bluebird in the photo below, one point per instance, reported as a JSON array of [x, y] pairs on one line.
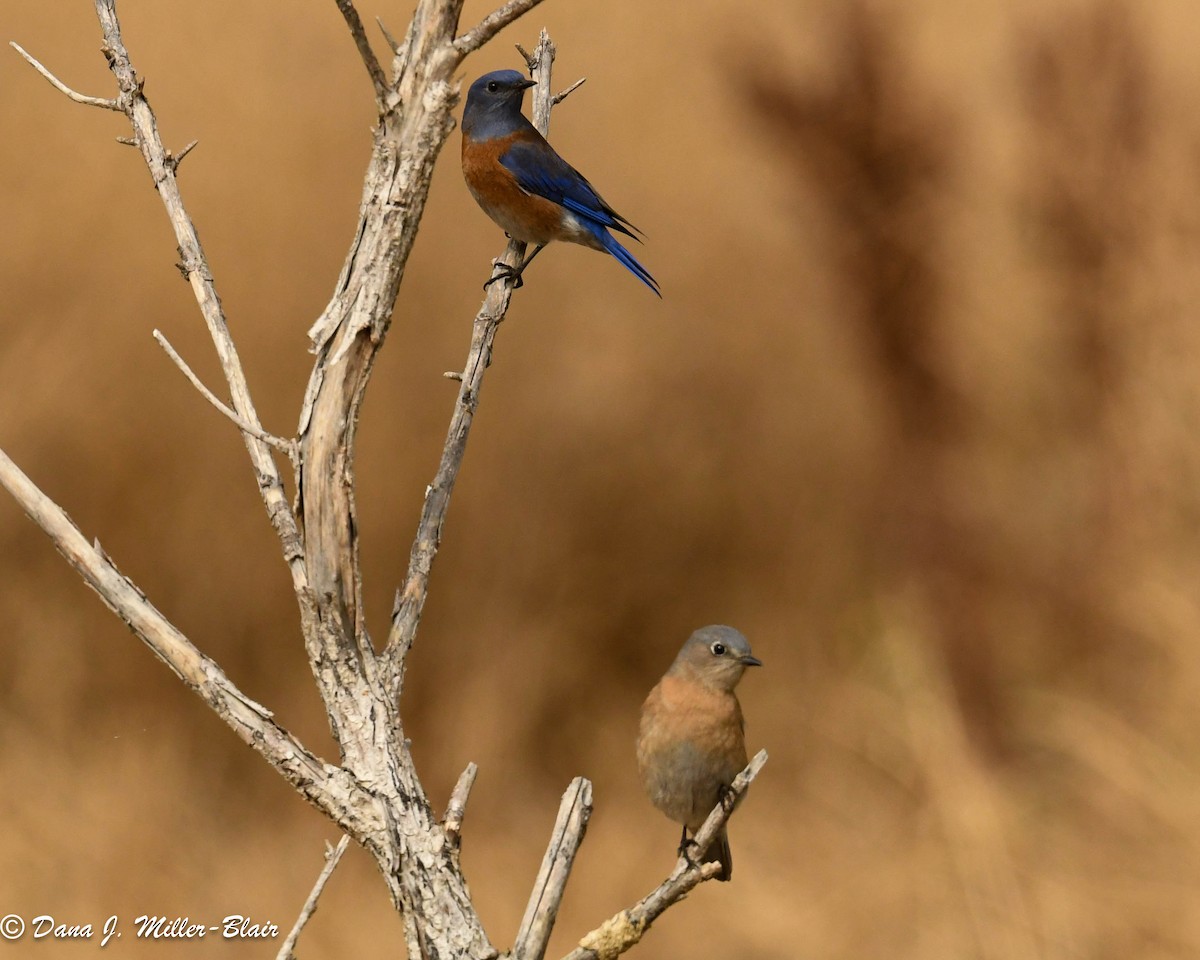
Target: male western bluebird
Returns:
[[527, 188], [692, 739]]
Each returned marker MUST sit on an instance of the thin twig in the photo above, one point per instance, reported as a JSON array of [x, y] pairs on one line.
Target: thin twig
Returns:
[[542, 910], [391, 41], [492, 24], [406, 615], [531, 59], [177, 159], [102, 102], [285, 446], [370, 61], [332, 856], [561, 96], [622, 931]]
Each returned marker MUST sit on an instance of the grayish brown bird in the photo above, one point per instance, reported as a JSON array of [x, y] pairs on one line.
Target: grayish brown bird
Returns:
[[692, 742]]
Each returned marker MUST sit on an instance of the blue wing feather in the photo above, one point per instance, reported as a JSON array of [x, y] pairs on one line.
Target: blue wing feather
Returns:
[[539, 169]]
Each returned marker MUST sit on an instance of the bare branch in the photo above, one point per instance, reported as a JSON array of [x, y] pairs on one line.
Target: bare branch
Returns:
[[407, 614], [542, 910], [456, 809], [327, 788], [63, 88], [492, 24], [332, 856], [162, 169], [285, 446], [622, 931], [560, 97], [370, 61]]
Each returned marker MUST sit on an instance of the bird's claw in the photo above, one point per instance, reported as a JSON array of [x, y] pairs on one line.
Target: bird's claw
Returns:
[[505, 272], [690, 852], [727, 798]]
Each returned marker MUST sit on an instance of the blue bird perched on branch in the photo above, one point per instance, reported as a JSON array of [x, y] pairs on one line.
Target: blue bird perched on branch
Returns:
[[525, 186]]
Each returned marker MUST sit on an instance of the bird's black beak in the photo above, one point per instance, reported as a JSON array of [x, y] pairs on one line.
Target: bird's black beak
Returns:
[[526, 84], [749, 661]]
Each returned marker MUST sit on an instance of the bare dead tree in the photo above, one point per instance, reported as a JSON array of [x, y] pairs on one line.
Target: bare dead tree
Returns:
[[373, 795]]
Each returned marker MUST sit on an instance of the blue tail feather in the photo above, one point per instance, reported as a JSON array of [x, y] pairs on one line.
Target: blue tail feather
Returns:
[[628, 261]]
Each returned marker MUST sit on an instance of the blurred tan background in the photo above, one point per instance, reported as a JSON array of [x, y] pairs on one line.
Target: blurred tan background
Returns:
[[918, 413]]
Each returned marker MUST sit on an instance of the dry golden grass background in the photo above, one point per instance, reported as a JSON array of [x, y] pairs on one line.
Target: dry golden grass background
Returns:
[[918, 413]]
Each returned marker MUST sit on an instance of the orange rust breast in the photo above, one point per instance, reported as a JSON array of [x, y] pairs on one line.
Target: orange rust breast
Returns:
[[522, 215]]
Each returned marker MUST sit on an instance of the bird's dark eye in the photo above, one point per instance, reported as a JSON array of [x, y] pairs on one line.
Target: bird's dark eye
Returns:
[[718, 649], [493, 86]]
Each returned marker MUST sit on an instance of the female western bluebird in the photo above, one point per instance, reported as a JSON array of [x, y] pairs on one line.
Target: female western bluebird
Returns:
[[692, 738], [527, 188]]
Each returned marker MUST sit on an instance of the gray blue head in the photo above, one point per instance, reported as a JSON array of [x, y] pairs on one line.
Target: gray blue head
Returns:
[[494, 104], [716, 655]]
